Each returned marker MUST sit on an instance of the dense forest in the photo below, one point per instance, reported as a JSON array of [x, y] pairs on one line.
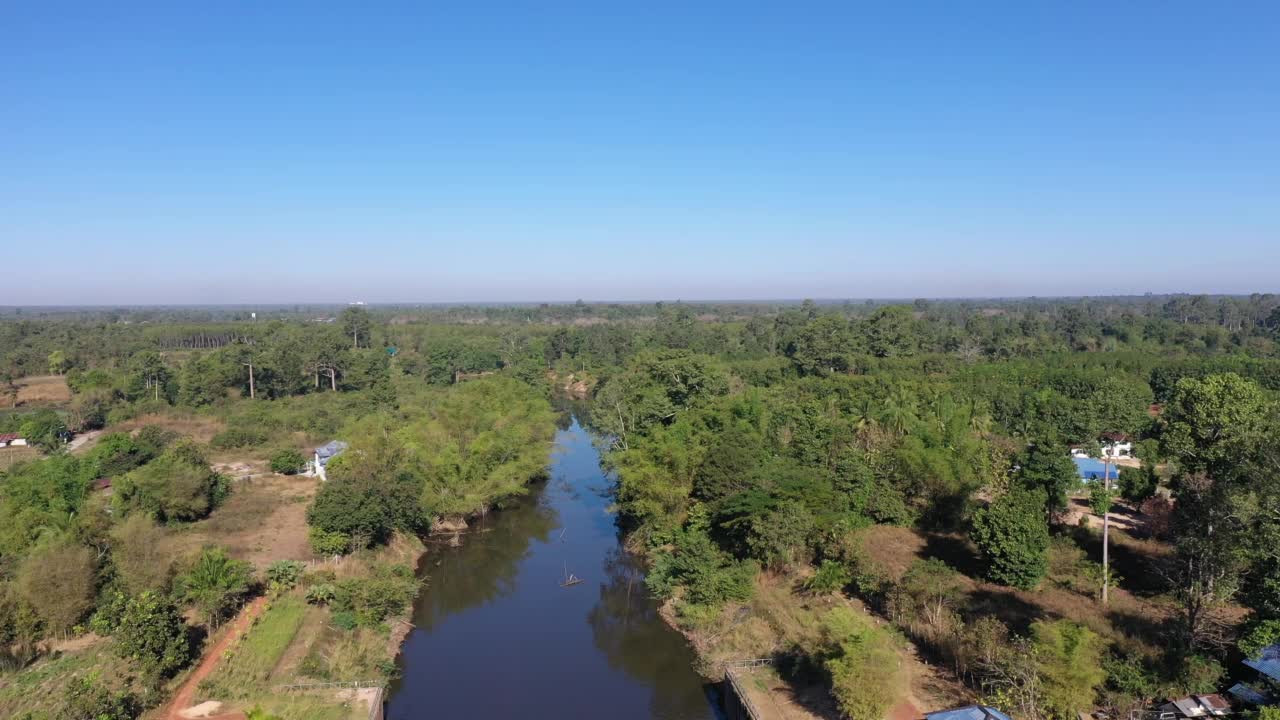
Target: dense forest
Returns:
[[801, 446]]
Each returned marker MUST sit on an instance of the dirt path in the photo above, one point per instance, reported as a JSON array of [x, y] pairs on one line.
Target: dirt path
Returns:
[[185, 696]]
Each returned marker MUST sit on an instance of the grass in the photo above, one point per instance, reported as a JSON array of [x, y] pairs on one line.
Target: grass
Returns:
[[40, 688], [247, 667], [37, 391], [12, 456]]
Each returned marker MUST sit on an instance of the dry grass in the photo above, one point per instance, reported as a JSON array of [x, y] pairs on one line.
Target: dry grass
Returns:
[[12, 456], [37, 391], [264, 520], [201, 428]]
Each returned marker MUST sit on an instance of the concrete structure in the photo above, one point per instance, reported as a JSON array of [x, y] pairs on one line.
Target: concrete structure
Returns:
[[12, 440]]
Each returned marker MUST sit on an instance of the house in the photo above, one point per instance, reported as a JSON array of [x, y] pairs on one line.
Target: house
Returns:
[[12, 440], [323, 455], [1196, 706], [1116, 445], [1264, 691], [968, 712]]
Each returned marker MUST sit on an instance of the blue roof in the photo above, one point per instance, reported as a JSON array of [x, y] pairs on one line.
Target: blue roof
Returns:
[[1091, 469], [1267, 662], [330, 450], [970, 712]]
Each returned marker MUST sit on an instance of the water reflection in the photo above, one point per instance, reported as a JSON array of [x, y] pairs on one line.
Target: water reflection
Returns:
[[498, 637]]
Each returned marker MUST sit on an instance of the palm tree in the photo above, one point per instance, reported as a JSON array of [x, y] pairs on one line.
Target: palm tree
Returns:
[[899, 414], [216, 584]]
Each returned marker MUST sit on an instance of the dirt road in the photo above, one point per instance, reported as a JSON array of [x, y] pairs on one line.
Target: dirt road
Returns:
[[186, 694]]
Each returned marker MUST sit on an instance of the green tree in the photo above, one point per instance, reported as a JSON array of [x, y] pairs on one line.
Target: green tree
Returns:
[[356, 323], [87, 699], [1013, 536], [1212, 421], [823, 346], [1069, 658], [891, 332], [151, 633], [1138, 484], [215, 584], [1049, 468], [176, 486], [57, 362]]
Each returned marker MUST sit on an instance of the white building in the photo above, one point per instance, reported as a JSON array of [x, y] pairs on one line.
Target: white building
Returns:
[[12, 440], [323, 455]]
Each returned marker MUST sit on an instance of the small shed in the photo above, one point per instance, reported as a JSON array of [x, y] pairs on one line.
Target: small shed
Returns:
[[12, 440], [324, 454]]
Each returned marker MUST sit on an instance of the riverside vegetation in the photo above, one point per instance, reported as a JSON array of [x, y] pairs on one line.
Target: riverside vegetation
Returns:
[[824, 484]]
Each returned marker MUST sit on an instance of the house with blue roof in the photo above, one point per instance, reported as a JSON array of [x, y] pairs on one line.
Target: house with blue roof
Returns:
[[323, 455]]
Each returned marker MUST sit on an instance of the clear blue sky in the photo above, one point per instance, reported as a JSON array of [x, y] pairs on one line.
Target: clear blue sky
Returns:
[[292, 152]]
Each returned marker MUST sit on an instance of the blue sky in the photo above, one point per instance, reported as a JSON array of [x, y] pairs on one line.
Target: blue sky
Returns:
[[298, 152]]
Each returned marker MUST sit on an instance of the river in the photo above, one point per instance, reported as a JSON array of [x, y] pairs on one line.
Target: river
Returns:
[[498, 637]]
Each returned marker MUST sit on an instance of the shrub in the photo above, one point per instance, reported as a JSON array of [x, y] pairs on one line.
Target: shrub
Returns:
[[86, 698], [373, 599], [287, 462], [866, 677], [831, 576], [1138, 484], [232, 438], [284, 574], [1013, 536], [324, 542], [1261, 635], [322, 594], [176, 486]]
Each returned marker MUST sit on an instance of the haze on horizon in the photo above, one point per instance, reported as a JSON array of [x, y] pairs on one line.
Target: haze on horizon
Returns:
[[158, 154]]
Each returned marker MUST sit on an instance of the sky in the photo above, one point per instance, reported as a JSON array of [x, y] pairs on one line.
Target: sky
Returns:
[[242, 152]]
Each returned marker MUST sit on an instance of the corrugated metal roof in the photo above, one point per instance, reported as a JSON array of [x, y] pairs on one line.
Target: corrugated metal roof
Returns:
[[6, 437], [970, 712], [1250, 695], [1215, 704], [1190, 707], [1267, 662], [330, 450]]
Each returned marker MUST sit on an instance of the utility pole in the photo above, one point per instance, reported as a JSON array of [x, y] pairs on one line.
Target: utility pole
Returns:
[[1106, 528], [251, 389]]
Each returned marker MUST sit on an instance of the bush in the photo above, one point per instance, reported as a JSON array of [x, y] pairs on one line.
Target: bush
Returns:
[[287, 462], [326, 543], [322, 594], [1013, 536], [176, 486], [1138, 484], [232, 438], [1259, 636], [863, 664], [373, 599], [284, 574], [86, 699], [830, 577]]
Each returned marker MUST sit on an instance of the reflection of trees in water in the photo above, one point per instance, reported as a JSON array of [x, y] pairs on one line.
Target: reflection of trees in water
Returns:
[[570, 407], [485, 567], [625, 626]]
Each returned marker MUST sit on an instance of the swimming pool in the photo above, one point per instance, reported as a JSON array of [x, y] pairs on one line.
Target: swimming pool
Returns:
[[1091, 469]]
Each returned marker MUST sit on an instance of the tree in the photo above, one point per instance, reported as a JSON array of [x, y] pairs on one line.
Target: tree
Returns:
[[822, 346], [57, 363], [216, 584], [1138, 484], [891, 332], [1212, 421], [1013, 535], [58, 580], [141, 556], [176, 486], [151, 632], [1049, 468], [356, 323], [372, 491], [287, 461], [1069, 659], [44, 429]]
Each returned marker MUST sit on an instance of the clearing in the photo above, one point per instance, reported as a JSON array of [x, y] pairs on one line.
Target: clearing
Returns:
[[36, 391], [263, 520]]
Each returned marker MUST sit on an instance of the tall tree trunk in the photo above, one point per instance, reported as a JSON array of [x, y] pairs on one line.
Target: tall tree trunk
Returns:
[[333, 379]]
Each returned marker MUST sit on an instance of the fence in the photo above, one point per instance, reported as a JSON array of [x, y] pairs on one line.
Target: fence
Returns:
[[376, 701], [738, 703]]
